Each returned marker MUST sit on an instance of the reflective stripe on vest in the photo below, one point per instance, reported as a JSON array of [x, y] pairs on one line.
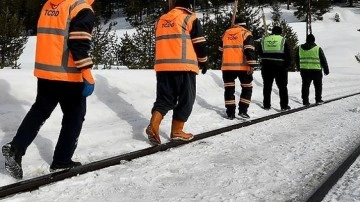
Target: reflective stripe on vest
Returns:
[[273, 44], [174, 50], [53, 59], [309, 59], [233, 49]]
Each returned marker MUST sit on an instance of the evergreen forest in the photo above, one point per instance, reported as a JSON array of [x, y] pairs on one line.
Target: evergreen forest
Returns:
[[18, 20]]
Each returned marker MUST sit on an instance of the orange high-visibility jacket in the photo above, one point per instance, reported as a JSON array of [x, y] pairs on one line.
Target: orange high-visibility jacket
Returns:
[[174, 50], [233, 49], [53, 60]]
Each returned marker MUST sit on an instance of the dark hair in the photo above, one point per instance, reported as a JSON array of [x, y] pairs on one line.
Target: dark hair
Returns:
[[276, 30], [310, 38], [240, 21], [183, 3]]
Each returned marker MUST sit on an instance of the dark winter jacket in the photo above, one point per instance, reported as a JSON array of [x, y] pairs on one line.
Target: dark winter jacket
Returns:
[[200, 46], [323, 62], [276, 64], [82, 22], [249, 52]]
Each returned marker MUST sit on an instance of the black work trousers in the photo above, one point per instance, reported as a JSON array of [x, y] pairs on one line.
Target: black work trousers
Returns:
[[280, 75], [246, 91], [175, 90], [307, 77], [73, 106]]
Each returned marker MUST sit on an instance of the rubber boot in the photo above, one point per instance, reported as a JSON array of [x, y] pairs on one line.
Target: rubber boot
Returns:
[[153, 129], [177, 132]]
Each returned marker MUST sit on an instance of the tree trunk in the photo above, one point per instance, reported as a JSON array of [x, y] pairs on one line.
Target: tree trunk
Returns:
[[171, 4], [351, 3], [234, 13], [288, 4]]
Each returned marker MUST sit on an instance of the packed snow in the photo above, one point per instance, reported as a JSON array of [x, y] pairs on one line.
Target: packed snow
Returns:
[[284, 159]]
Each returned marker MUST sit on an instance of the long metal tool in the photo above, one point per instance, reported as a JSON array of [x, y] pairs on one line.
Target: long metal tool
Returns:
[[234, 13], [264, 22]]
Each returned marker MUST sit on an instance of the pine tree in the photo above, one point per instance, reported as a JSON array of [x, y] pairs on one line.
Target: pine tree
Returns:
[[146, 42], [276, 12], [264, 2], [252, 16], [317, 8], [31, 14], [216, 3], [292, 40], [351, 3], [138, 51], [214, 28], [137, 11], [127, 51], [12, 38], [106, 9], [104, 42], [323, 6]]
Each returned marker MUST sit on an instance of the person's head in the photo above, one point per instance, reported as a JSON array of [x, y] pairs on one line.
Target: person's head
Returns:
[[240, 21], [277, 30], [184, 3], [310, 38]]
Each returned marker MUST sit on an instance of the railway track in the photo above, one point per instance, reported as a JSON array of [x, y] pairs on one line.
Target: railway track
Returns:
[[35, 183]]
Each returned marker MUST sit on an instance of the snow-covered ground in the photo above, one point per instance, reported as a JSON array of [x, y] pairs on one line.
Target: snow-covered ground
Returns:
[[283, 159]]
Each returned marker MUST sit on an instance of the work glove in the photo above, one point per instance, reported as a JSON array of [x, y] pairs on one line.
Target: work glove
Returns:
[[326, 73], [89, 83], [203, 67]]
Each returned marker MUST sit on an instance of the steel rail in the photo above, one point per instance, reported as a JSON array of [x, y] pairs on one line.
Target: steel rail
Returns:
[[320, 193]]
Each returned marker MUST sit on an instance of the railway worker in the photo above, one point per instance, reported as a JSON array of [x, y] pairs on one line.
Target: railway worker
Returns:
[[63, 71], [311, 60], [276, 58], [180, 50], [238, 61]]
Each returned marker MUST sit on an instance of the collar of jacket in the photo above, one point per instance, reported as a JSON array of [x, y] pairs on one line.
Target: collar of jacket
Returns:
[[238, 25]]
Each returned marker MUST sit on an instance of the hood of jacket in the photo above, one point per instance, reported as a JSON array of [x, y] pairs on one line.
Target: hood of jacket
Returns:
[[308, 46]]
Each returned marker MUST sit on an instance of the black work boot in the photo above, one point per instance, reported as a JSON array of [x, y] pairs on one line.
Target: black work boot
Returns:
[[320, 102], [244, 115], [12, 161], [230, 111], [63, 166], [231, 116], [285, 108]]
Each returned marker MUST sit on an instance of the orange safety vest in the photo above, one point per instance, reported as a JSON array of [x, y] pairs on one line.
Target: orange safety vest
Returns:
[[53, 60], [174, 50], [233, 49]]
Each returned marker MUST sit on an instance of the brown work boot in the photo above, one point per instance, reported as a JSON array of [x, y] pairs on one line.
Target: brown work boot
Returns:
[[153, 129], [177, 132]]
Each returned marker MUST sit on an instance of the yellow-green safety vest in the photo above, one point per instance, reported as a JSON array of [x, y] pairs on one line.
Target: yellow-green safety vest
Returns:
[[273, 44], [309, 59]]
